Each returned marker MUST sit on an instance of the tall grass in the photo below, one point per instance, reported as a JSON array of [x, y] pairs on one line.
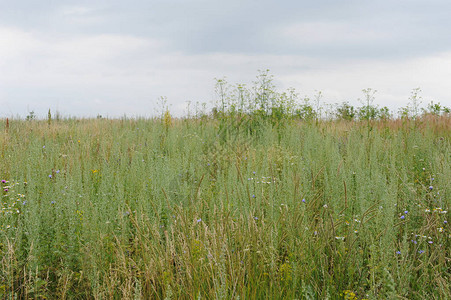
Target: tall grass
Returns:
[[204, 208]]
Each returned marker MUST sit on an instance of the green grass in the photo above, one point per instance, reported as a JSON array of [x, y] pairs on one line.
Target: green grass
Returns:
[[201, 208]]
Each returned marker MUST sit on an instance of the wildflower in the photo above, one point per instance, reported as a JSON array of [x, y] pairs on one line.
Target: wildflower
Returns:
[[440, 229], [255, 218], [445, 222], [348, 294], [5, 190], [3, 181], [199, 220], [303, 200], [254, 173], [253, 196], [339, 237], [431, 187], [406, 212], [43, 147], [356, 231], [25, 202], [427, 210], [430, 242], [403, 217], [420, 251], [50, 176], [325, 205], [57, 171], [398, 252], [53, 202], [415, 242]]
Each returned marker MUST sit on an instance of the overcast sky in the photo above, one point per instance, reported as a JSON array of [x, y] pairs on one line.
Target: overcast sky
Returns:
[[85, 58]]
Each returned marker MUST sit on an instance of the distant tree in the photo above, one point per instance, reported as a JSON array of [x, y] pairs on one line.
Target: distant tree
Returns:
[[345, 111], [305, 112], [31, 116], [384, 113], [435, 109], [368, 112]]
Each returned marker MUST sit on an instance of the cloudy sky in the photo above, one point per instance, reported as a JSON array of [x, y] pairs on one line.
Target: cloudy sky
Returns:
[[85, 58]]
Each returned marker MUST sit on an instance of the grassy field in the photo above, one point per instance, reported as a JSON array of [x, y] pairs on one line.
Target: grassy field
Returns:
[[207, 208]]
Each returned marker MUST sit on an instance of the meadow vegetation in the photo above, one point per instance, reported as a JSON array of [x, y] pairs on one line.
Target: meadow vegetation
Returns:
[[266, 197]]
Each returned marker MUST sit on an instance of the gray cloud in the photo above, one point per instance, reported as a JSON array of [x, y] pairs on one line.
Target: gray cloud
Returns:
[[379, 29], [111, 57]]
